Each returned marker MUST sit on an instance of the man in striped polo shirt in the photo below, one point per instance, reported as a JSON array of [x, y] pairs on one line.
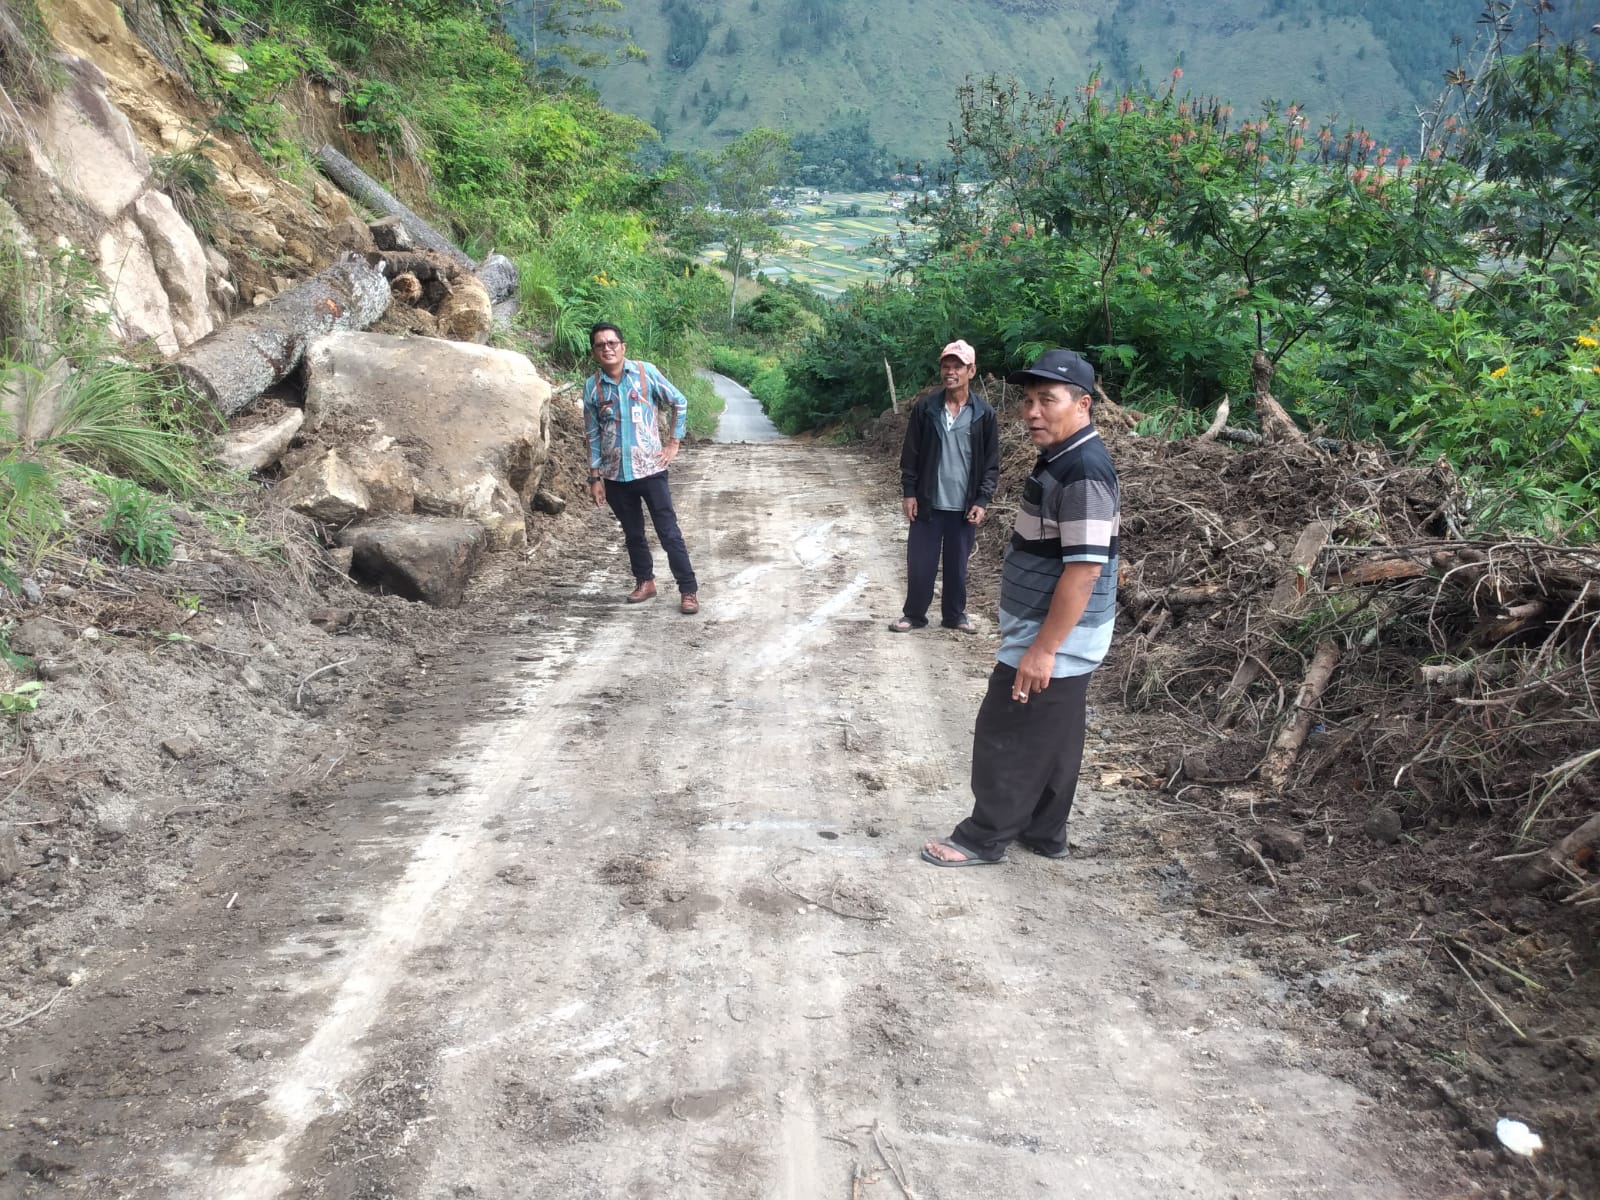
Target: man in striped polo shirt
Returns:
[[1058, 600]]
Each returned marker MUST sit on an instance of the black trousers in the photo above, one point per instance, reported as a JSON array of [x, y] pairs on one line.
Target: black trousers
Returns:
[[939, 533], [628, 499], [1025, 760]]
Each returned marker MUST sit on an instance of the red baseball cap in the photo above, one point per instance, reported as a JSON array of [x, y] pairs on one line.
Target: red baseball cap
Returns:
[[960, 349]]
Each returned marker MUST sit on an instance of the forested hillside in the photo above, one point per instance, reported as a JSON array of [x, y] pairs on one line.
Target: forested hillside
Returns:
[[717, 68]]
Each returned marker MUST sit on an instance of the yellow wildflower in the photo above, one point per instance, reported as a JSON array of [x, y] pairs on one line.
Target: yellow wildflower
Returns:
[[1588, 343], [1537, 411], [1499, 371]]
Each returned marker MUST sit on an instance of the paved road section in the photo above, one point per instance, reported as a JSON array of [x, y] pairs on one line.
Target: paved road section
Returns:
[[742, 419]]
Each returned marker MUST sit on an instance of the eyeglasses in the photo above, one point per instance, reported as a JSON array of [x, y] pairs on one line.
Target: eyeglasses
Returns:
[[606, 345]]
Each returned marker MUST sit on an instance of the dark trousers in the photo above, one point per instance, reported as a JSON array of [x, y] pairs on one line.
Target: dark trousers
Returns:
[[939, 533], [628, 499], [1025, 760]]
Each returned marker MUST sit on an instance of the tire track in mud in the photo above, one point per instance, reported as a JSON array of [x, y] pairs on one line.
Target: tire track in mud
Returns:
[[656, 929]]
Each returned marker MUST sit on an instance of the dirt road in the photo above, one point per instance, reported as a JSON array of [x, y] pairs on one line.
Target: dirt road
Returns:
[[622, 903]]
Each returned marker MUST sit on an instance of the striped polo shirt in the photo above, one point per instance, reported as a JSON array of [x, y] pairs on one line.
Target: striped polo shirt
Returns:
[[1070, 512]]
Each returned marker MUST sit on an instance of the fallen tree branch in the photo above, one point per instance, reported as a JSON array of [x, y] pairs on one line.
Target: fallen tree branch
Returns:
[[38, 1012], [1227, 916], [1216, 426], [1275, 770], [1378, 571], [1287, 596], [1462, 673], [300, 691], [1473, 980], [799, 895]]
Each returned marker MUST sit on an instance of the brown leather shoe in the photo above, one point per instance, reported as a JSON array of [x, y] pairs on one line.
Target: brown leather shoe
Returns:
[[645, 591], [689, 605]]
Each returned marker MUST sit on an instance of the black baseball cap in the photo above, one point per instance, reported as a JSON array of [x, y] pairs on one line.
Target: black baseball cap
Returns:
[[1058, 366]]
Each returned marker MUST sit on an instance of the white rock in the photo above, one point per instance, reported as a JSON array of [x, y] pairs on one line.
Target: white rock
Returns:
[[89, 145], [180, 264], [140, 310], [253, 447], [1517, 1137], [326, 489]]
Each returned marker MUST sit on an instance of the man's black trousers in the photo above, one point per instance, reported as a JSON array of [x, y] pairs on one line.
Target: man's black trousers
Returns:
[[939, 534], [1025, 760], [628, 499]]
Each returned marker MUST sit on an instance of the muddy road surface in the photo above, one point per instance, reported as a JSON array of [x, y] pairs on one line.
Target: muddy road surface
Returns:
[[618, 903]]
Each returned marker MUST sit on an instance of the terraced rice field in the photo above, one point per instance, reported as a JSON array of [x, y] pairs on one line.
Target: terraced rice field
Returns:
[[828, 250]]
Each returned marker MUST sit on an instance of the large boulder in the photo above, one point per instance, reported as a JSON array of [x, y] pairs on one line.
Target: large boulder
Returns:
[[473, 419], [420, 558], [86, 144], [180, 264]]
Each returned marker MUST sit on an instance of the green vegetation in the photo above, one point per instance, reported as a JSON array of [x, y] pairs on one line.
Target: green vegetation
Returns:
[[28, 72], [1446, 305], [740, 365], [846, 80], [833, 241], [139, 524], [76, 411]]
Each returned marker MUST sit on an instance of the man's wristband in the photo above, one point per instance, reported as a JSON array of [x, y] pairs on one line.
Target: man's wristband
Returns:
[[595, 478]]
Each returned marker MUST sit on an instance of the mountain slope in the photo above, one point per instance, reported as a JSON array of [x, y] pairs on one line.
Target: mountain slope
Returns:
[[719, 67]]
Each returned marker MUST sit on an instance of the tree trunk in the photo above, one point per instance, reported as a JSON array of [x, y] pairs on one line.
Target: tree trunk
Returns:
[[501, 277], [1276, 425], [233, 366], [1275, 771], [364, 188]]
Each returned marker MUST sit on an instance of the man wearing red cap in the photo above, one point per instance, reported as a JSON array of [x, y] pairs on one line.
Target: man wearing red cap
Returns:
[[949, 466]]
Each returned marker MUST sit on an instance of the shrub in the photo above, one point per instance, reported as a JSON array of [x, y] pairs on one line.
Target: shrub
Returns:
[[139, 523], [739, 365], [771, 388]]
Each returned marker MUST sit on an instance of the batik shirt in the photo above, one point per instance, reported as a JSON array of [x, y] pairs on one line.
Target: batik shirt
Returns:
[[1070, 512], [620, 419]]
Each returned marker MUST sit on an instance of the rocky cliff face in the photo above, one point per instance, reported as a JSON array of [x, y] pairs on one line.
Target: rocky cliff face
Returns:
[[430, 428], [83, 176]]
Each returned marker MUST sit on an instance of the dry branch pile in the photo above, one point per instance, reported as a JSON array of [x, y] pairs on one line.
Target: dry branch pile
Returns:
[[1319, 618]]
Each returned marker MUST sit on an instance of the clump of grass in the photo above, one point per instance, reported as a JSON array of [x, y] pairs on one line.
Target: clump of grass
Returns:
[[28, 70], [189, 180], [116, 417]]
